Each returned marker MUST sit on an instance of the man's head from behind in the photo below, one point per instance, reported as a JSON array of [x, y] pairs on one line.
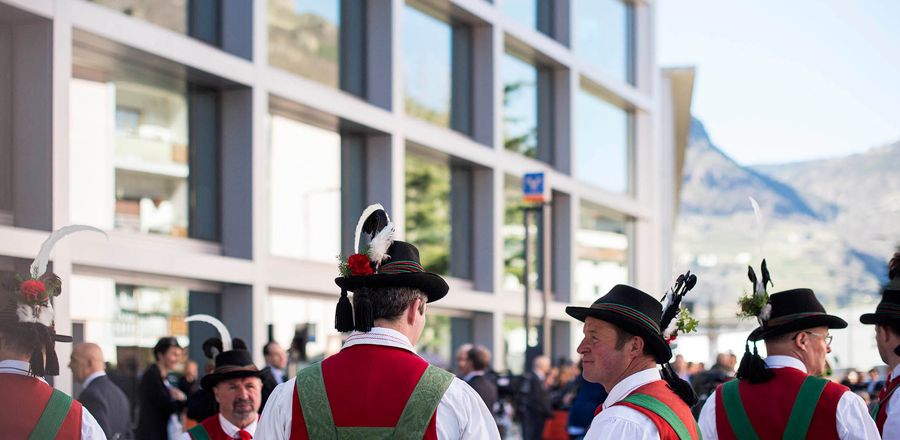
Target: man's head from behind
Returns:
[[239, 399], [86, 359], [398, 308], [610, 354], [275, 355], [887, 338]]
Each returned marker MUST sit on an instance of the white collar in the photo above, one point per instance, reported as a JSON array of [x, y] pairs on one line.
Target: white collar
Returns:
[[92, 376], [379, 336], [625, 387], [21, 368], [472, 375], [232, 431], [781, 361], [894, 373]]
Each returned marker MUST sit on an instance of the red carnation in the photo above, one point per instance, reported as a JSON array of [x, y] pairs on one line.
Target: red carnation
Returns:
[[359, 264], [32, 289]]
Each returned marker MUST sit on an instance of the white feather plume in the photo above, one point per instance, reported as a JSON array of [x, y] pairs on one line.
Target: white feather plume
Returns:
[[671, 328], [380, 243], [765, 313], [44, 315], [669, 296], [39, 266], [224, 334], [362, 220]]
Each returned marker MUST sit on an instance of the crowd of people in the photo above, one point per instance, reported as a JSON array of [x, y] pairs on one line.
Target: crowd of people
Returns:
[[626, 385]]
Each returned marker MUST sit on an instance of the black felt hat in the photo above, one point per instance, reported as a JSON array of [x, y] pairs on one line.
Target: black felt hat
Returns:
[[888, 310], [231, 364], [632, 310], [794, 310], [402, 269]]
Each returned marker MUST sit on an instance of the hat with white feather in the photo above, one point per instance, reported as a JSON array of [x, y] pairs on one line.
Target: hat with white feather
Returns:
[[384, 262], [27, 308], [231, 358]]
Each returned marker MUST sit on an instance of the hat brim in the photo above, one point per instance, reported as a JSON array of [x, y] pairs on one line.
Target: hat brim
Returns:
[[431, 284], [824, 320], [876, 318], [662, 353], [62, 338], [212, 379]]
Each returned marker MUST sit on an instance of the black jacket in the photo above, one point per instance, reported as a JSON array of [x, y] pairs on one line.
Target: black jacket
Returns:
[[268, 384], [485, 388], [108, 404], [155, 406]]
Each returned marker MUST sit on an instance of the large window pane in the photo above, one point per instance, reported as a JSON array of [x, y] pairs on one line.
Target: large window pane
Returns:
[[520, 120], [602, 249], [435, 344], [602, 143], [426, 66], [604, 34], [304, 323], [129, 136], [523, 11], [304, 38], [428, 224], [170, 14], [304, 190]]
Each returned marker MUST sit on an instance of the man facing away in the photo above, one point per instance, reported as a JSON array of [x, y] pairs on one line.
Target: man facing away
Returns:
[[887, 336], [377, 387], [783, 396], [623, 343], [103, 398]]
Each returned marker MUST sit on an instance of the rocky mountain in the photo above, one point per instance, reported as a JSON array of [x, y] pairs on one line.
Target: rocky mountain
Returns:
[[829, 224]]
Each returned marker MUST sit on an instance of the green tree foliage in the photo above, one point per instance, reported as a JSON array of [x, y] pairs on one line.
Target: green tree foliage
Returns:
[[428, 212]]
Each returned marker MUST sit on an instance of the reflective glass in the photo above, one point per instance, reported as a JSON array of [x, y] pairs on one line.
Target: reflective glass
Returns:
[[304, 38], [602, 143], [604, 34], [304, 190], [304, 323], [428, 223], [602, 250], [523, 11], [426, 66], [435, 344], [520, 119], [170, 14], [514, 236]]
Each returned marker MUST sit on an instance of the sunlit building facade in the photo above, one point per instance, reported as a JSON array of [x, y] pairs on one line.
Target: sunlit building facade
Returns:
[[227, 147]]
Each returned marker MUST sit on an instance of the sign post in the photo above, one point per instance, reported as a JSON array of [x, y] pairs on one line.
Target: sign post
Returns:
[[535, 194]]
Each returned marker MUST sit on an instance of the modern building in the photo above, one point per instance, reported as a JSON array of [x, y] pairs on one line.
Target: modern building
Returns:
[[228, 147]]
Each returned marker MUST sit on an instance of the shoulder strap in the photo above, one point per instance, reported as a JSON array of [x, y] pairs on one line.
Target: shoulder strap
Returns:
[[314, 403], [734, 410], [892, 386], [804, 406], [53, 416], [422, 403], [653, 405], [198, 432]]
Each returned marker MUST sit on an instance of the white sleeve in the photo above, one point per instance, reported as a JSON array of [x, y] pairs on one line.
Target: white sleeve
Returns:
[[90, 429], [892, 424], [853, 419], [707, 421], [621, 422], [186, 436], [463, 415], [275, 421]]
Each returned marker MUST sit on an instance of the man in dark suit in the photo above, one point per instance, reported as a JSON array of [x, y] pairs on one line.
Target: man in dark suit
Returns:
[[275, 372], [474, 365], [535, 407], [106, 402]]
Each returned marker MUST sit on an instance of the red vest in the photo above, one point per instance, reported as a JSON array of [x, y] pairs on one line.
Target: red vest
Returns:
[[25, 398], [885, 396], [367, 386], [768, 406], [660, 391], [213, 429]]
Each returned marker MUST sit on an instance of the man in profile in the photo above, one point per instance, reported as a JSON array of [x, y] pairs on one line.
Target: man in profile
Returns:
[[474, 368], [103, 398], [275, 371]]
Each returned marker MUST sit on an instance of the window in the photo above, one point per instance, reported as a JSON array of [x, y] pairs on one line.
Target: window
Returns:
[[304, 38], [603, 139], [305, 323], [604, 35], [435, 344], [520, 101], [602, 250], [427, 65], [304, 190], [170, 14], [523, 11]]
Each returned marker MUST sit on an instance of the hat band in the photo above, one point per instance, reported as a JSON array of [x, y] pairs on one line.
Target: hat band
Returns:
[[784, 319], [886, 308], [233, 368], [629, 312], [401, 266]]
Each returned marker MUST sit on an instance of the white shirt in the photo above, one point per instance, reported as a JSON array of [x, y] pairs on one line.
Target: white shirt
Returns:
[[892, 424], [229, 428], [277, 373], [90, 429], [622, 422], [91, 377], [853, 419], [460, 415]]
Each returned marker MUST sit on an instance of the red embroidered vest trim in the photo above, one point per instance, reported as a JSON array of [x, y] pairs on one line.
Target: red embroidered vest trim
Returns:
[[26, 397]]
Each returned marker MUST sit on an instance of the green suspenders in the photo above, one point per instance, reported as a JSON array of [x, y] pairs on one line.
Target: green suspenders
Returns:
[[53, 416], [801, 412], [198, 432], [655, 406], [413, 420]]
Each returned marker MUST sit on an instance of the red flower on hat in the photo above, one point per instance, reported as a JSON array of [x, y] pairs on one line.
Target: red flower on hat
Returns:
[[32, 290], [359, 264]]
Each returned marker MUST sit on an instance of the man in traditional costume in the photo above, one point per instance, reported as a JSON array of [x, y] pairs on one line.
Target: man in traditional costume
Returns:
[[887, 336], [626, 334], [784, 396], [31, 408], [377, 387]]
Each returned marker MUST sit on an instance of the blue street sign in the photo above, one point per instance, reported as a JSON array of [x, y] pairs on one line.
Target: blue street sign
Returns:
[[533, 188]]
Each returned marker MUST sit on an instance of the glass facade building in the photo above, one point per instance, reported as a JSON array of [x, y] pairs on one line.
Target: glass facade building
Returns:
[[227, 148]]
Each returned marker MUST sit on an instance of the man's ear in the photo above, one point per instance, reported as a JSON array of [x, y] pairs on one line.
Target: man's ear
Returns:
[[412, 311], [637, 346]]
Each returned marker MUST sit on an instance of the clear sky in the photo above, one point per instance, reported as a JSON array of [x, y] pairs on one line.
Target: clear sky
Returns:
[[788, 80]]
